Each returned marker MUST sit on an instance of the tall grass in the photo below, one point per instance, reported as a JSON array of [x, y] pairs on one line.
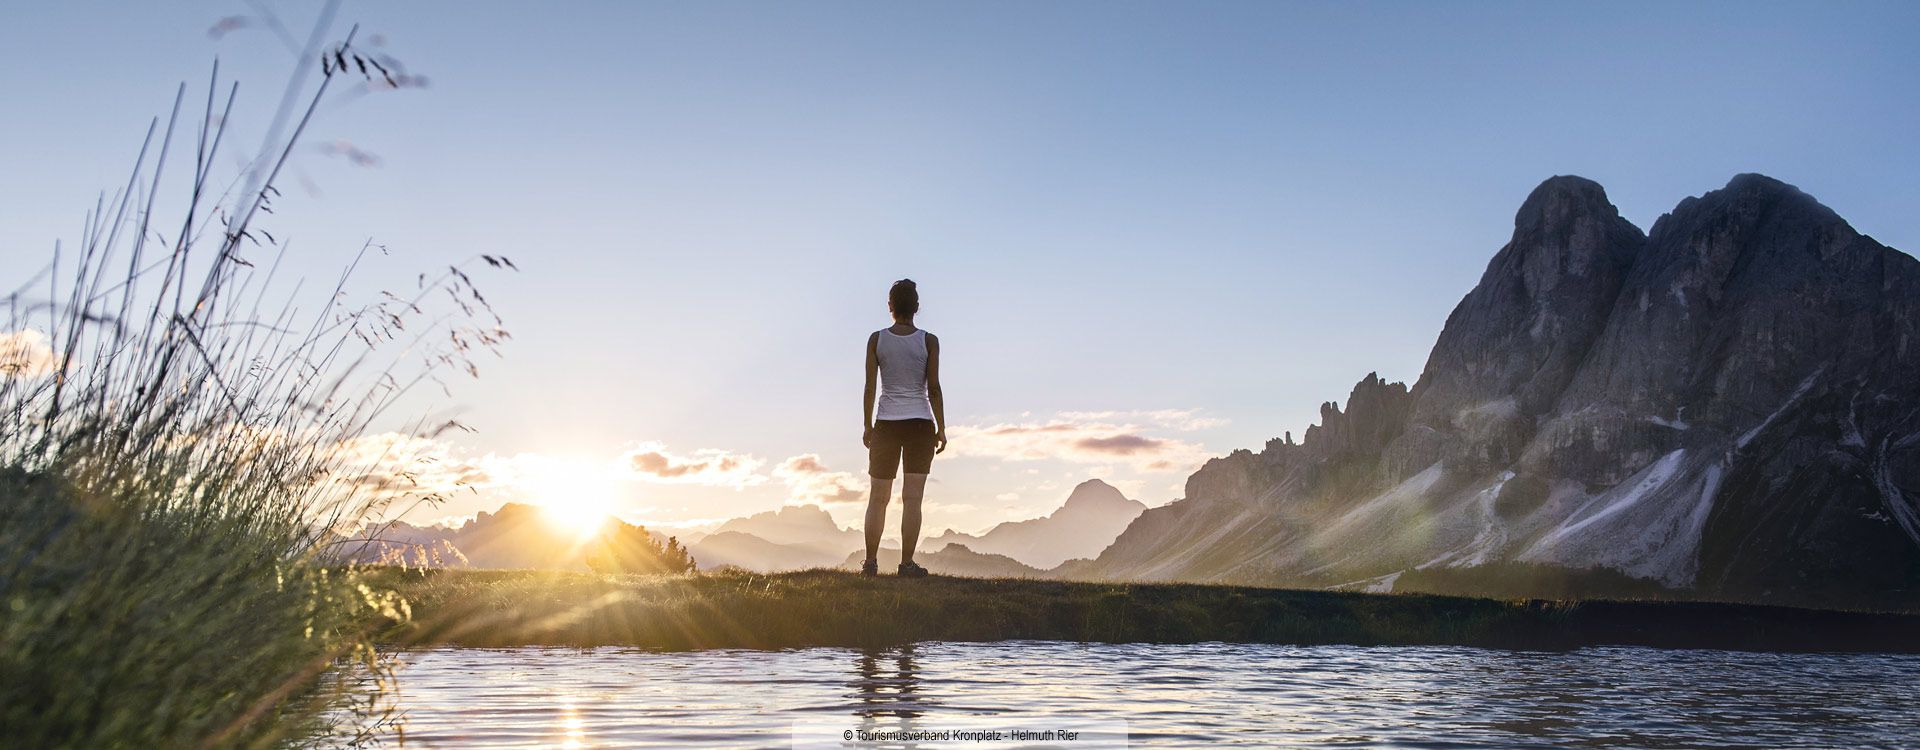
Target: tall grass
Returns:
[[180, 444]]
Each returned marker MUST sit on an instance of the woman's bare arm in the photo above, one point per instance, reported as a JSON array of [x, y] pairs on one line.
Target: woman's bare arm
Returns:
[[933, 394], [866, 399]]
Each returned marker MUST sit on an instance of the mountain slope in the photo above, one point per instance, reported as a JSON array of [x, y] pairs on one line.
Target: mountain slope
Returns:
[[1092, 516], [514, 536], [742, 550], [795, 524], [1726, 404], [951, 560]]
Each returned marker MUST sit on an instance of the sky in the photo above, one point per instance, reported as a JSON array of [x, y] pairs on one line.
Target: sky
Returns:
[[1187, 223]]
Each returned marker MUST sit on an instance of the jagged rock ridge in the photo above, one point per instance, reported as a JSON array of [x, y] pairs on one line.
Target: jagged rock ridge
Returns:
[[1727, 404]]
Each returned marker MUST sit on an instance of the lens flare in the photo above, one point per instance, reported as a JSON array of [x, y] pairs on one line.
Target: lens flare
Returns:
[[575, 495]]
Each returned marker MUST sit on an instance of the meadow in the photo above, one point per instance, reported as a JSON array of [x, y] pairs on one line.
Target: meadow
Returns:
[[501, 608]]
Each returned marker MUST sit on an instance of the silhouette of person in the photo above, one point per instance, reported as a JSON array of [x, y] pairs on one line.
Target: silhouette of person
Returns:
[[905, 425]]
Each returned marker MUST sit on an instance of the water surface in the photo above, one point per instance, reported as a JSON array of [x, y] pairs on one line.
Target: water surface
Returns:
[[1170, 696]]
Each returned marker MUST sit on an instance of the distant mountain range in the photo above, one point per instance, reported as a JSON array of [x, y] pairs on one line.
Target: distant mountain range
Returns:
[[1094, 514], [1729, 405], [515, 536], [950, 560], [740, 549], [793, 537], [805, 536], [788, 538]]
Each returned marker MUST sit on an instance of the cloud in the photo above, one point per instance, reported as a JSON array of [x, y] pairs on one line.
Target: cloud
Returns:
[[1121, 445], [1088, 441], [391, 464], [803, 464], [1182, 420], [652, 462], [25, 354], [810, 481]]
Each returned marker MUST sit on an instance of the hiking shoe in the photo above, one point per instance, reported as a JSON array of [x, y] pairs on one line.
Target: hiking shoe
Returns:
[[869, 568], [912, 570]]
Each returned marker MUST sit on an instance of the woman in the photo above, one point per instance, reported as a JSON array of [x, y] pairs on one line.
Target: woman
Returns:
[[907, 425]]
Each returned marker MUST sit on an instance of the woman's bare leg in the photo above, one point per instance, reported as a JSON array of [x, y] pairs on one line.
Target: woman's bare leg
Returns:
[[877, 512], [910, 494]]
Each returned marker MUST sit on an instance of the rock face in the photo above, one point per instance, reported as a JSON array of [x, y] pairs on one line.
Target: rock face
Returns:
[[1729, 404], [1094, 513]]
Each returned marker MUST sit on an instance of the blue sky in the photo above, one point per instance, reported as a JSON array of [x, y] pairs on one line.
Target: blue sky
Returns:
[[1116, 211]]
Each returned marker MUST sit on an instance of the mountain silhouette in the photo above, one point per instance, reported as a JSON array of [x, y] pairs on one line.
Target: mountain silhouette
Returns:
[[792, 537], [1093, 514], [743, 550], [951, 560], [515, 536], [794, 524]]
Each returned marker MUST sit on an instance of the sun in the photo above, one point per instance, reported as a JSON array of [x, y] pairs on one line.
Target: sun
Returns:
[[576, 495]]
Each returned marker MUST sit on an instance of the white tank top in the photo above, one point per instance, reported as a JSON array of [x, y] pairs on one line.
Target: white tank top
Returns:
[[903, 376]]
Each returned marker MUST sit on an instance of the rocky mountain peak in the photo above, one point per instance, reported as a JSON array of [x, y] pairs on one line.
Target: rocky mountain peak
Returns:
[[813, 513], [1093, 514], [1725, 404], [1094, 493], [1515, 341], [1376, 412], [795, 514], [1559, 202], [791, 524], [1749, 202], [1744, 295]]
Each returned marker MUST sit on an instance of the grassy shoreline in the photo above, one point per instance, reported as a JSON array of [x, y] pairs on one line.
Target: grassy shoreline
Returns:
[[501, 608]]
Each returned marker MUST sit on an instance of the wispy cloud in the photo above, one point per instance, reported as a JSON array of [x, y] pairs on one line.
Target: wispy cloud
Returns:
[[810, 481], [25, 354], [1086, 437], [1182, 420], [654, 463]]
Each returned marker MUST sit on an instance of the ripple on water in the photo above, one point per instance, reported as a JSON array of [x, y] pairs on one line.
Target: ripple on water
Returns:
[[1170, 695]]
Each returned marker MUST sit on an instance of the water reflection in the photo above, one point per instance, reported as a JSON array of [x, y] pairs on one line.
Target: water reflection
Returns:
[[886, 690], [886, 683], [573, 733], [1169, 696]]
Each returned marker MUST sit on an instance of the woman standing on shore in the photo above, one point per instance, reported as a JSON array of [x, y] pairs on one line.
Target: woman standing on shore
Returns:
[[906, 425]]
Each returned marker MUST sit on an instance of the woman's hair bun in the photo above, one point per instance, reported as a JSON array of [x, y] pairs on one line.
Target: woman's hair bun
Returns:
[[904, 297]]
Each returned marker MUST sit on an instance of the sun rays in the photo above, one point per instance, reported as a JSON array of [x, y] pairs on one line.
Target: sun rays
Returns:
[[576, 494]]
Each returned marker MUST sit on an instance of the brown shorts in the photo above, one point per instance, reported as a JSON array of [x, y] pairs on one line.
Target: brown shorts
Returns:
[[897, 441]]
